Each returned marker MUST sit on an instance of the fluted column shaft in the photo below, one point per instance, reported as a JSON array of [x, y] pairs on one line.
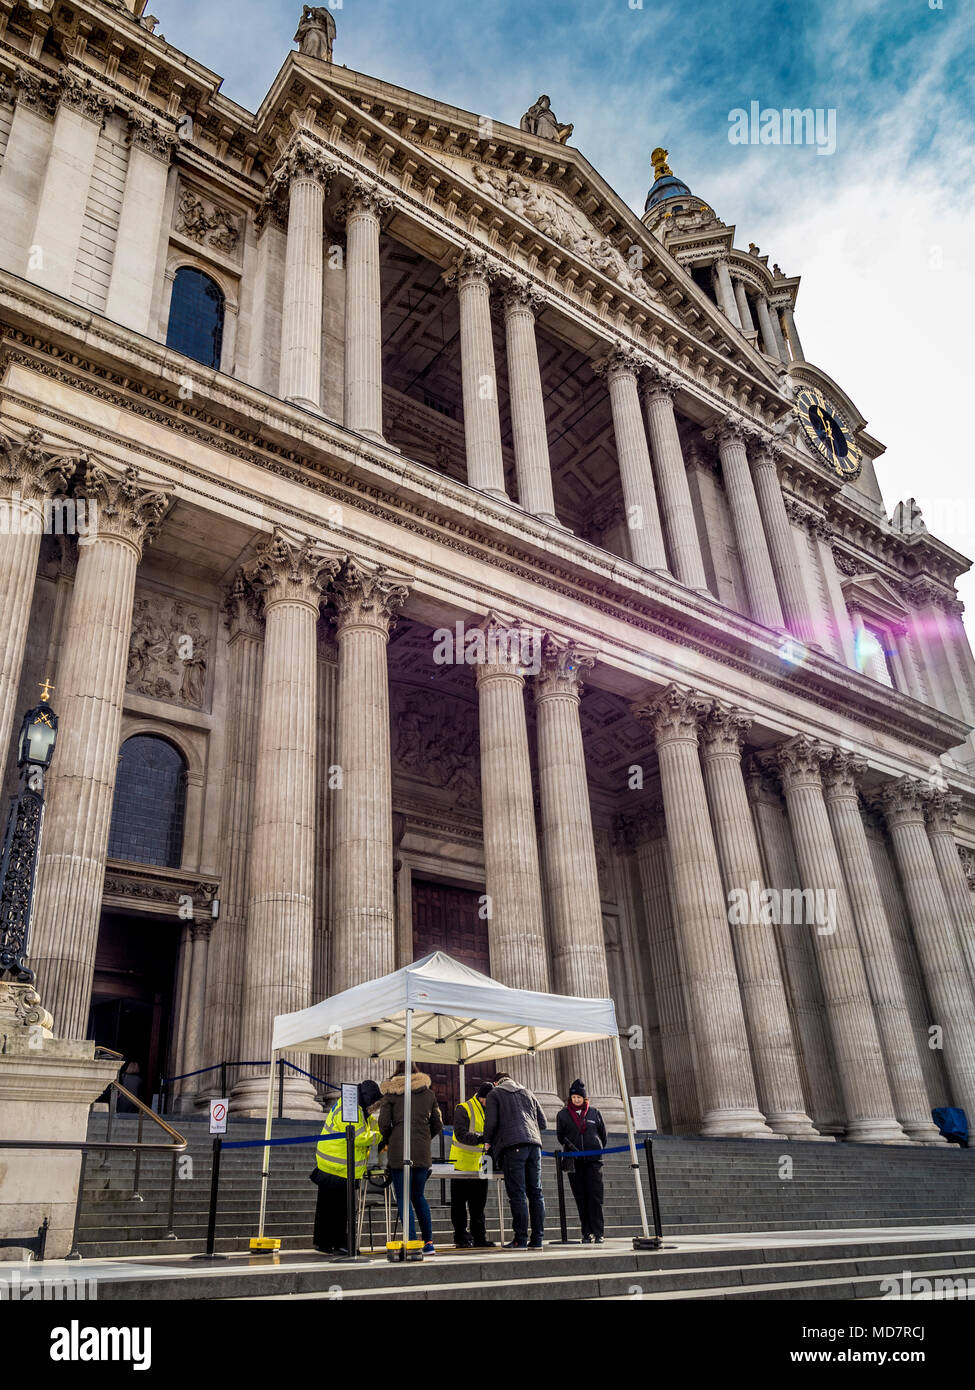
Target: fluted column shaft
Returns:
[[193, 1035], [516, 929], [941, 812], [90, 689], [770, 344], [528, 426], [912, 1104], [856, 1044], [725, 291], [364, 917], [482, 421], [791, 588], [225, 978], [788, 318], [675, 494], [725, 1080], [291, 574], [578, 951], [301, 319], [636, 473], [753, 549], [798, 959], [363, 314], [28, 477], [938, 945], [744, 308], [653, 863], [763, 992]]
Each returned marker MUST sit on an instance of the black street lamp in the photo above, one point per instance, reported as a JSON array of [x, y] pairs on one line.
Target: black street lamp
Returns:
[[35, 749]]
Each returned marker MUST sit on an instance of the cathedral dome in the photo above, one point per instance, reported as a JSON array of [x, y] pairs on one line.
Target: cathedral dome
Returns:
[[666, 183]]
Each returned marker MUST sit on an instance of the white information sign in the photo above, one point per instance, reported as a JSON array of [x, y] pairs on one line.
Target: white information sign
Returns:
[[350, 1103], [643, 1114], [218, 1116]]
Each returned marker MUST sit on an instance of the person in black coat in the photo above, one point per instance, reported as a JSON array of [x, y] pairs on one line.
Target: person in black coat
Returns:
[[580, 1127]]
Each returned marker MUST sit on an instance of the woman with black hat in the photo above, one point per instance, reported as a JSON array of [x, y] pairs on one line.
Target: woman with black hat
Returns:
[[580, 1128], [331, 1169]]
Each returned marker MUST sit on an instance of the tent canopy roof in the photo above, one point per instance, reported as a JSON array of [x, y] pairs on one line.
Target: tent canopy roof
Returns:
[[459, 1015]]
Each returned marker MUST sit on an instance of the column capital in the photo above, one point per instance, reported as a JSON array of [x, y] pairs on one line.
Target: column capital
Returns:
[[291, 569], [367, 597], [303, 163], [363, 197], [620, 361], [905, 801], [81, 95], [767, 453], [841, 773], [129, 507], [148, 135], [800, 761], [731, 430], [509, 648], [200, 931], [674, 715], [942, 811], [762, 780], [25, 467], [521, 295], [723, 730], [242, 609], [563, 668], [40, 94], [472, 267], [641, 827], [657, 385]]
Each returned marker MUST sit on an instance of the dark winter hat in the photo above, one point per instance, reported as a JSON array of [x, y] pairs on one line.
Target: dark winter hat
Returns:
[[369, 1093], [578, 1088], [484, 1090]]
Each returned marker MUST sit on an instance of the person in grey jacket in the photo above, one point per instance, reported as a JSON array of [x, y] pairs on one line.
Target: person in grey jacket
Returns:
[[513, 1124]]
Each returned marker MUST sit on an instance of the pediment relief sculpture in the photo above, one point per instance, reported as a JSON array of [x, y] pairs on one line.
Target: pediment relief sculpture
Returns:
[[207, 223], [169, 652]]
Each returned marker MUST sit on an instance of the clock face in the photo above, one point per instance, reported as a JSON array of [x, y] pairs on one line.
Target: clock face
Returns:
[[828, 432]]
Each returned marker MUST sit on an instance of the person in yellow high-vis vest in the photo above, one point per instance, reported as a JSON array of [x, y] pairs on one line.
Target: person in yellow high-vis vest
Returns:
[[331, 1236], [469, 1195]]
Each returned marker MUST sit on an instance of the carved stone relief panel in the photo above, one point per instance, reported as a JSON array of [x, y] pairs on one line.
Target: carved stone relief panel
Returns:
[[206, 222], [435, 746], [170, 649]]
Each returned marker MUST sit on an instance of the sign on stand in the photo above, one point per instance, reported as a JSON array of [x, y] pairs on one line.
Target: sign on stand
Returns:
[[218, 1116], [350, 1103], [643, 1114]]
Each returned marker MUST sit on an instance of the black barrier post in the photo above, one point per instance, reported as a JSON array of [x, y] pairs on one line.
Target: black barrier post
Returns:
[[212, 1214], [656, 1241], [443, 1184], [352, 1234], [223, 1078], [560, 1188]]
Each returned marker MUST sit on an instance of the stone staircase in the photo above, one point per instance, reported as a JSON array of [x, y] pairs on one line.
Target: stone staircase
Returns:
[[707, 1187]]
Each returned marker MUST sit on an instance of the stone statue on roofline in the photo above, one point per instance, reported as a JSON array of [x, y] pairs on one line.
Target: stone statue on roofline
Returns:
[[540, 120], [316, 33]]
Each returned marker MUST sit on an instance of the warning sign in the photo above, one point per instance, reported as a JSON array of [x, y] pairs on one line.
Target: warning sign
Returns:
[[218, 1116]]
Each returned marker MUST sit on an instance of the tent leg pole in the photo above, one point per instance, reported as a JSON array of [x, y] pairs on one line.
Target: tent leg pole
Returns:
[[631, 1136], [407, 1117], [265, 1165]]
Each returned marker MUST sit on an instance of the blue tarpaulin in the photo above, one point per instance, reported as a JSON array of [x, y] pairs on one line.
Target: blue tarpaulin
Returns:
[[952, 1122]]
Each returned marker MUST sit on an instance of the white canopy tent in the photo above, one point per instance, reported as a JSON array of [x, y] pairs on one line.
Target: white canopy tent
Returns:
[[438, 1010]]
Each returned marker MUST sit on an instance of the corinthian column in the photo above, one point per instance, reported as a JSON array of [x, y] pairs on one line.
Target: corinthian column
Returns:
[[578, 951], [363, 209], [859, 1058], [912, 1105], [753, 551], [364, 919], [516, 927], [636, 474], [938, 945], [675, 494], [725, 1081], [788, 318], [28, 478], [796, 605], [225, 978], [308, 176], [290, 572], [91, 687], [482, 421], [763, 992], [725, 291], [528, 426], [940, 813], [770, 344]]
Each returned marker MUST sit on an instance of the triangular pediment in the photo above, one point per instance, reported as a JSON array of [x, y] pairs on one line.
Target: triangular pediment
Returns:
[[874, 595]]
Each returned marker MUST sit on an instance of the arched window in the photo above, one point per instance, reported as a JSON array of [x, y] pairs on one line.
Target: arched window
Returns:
[[196, 316], [150, 803]]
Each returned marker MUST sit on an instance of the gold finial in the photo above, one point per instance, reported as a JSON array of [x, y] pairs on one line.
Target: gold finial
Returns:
[[46, 688], [661, 169]]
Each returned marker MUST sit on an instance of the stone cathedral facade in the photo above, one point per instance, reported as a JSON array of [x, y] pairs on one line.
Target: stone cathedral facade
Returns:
[[429, 551]]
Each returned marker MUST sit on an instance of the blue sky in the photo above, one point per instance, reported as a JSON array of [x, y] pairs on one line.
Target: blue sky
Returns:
[[881, 231]]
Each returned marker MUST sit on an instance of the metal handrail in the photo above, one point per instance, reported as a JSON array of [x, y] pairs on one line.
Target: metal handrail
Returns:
[[87, 1146]]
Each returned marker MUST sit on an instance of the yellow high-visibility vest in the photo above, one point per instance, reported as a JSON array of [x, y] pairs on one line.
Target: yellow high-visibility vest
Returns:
[[330, 1155], [466, 1158]]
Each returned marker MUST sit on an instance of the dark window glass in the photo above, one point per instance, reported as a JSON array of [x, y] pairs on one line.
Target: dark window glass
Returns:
[[150, 803], [196, 317]]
